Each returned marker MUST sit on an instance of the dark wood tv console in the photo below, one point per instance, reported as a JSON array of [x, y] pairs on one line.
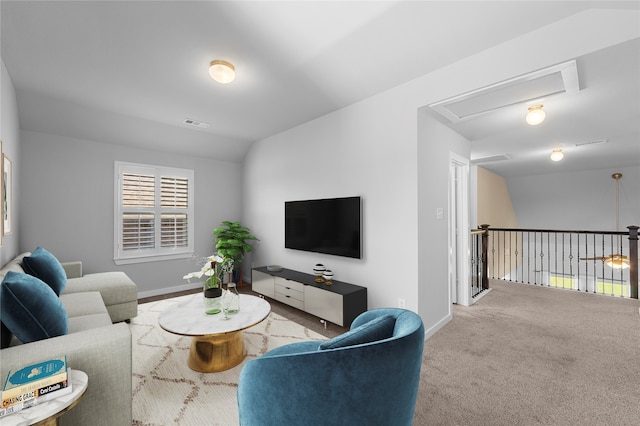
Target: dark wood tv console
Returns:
[[339, 303]]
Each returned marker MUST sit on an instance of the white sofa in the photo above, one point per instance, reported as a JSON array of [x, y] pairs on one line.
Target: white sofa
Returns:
[[98, 342]]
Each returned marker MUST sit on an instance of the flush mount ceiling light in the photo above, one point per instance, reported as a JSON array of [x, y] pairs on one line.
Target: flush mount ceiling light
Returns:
[[535, 115], [222, 71], [557, 155]]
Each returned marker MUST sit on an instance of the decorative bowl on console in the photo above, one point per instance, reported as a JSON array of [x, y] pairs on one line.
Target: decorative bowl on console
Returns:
[[318, 271], [274, 268], [328, 276]]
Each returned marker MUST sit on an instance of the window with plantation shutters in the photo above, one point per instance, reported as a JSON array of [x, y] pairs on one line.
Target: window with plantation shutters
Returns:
[[154, 213]]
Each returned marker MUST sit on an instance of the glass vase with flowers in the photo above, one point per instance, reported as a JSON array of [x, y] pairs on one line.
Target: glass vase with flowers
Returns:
[[212, 285]]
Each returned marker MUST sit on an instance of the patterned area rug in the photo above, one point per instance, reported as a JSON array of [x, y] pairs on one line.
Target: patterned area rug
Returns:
[[167, 392]]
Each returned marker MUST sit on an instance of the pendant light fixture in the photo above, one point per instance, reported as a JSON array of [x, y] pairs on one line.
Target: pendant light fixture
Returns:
[[222, 71], [617, 261], [535, 115], [614, 260]]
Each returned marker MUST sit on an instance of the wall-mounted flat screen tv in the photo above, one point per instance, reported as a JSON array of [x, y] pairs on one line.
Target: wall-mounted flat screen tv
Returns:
[[330, 226]]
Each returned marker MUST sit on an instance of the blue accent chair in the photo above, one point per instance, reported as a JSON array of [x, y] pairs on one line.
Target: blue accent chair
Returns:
[[367, 376]]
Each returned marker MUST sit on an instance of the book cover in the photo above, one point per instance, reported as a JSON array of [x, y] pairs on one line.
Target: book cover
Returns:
[[35, 372], [44, 395], [31, 386], [40, 391]]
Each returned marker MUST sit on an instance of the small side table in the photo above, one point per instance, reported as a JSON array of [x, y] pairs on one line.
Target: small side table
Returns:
[[47, 413]]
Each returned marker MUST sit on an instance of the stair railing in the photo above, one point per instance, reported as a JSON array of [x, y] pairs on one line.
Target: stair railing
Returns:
[[578, 260]]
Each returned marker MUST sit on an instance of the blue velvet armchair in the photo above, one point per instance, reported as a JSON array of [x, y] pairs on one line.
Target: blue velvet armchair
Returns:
[[367, 376]]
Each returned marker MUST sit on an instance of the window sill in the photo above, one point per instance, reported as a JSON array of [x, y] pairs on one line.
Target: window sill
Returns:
[[156, 258]]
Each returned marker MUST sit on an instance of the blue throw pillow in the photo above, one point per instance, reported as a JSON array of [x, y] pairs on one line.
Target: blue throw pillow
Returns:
[[42, 264], [30, 309], [377, 329]]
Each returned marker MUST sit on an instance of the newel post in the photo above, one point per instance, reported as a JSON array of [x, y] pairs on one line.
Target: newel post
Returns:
[[485, 257], [633, 260]]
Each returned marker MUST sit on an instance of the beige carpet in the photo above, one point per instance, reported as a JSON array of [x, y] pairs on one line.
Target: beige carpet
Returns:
[[526, 355], [523, 355], [167, 392]]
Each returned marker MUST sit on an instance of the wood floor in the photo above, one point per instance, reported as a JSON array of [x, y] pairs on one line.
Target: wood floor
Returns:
[[307, 320]]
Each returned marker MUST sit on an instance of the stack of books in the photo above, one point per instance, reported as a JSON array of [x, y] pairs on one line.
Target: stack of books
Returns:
[[35, 384]]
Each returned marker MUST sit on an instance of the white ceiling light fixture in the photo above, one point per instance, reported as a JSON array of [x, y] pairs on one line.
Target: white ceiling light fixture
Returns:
[[535, 115], [557, 155], [222, 71]]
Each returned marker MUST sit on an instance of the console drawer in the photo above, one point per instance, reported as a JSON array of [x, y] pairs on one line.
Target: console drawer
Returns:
[[291, 298], [294, 285]]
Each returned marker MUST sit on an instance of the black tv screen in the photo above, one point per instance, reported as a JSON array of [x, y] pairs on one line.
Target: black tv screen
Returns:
[[330, 226]]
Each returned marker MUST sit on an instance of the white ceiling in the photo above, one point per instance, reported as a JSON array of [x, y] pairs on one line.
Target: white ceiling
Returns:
[[131, 72]]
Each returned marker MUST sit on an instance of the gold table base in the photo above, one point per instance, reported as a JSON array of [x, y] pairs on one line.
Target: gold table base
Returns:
[[218, 352]]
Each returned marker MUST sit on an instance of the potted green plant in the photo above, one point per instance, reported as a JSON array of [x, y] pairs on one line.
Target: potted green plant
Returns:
[[231, 240]]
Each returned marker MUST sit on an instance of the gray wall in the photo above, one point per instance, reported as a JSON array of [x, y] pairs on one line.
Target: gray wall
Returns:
[[577, 200], [68, 197], [10, 136]]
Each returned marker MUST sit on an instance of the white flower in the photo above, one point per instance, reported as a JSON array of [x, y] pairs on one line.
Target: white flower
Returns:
[[206, 269], [192, 275], [216, 258]]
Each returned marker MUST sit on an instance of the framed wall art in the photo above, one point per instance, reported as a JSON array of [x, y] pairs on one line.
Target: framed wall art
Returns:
[[7, 195]]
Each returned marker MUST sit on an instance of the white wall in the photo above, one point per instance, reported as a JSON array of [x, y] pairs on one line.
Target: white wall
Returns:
[[68, 195], [10, 136], [577, 200], [374, 149], [435, 143], [335, 156]]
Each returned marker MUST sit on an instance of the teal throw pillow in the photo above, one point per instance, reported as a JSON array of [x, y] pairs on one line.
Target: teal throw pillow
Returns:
[[30, 309], [42, 264], [377, 329]]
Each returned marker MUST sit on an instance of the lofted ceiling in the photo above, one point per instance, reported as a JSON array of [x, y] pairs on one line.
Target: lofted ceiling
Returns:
[[131, 72]]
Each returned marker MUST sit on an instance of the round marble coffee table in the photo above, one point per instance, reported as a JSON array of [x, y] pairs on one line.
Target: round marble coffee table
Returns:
[[217, 344]]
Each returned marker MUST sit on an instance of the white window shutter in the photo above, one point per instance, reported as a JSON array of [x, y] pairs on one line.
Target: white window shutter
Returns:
[[154, 213]]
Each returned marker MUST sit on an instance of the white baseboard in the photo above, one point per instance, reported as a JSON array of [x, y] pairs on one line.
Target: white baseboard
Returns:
[[167, 290], [437, 326], [174, 289]]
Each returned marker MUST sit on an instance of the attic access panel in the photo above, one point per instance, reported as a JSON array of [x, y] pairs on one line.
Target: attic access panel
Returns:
[[562, 78]]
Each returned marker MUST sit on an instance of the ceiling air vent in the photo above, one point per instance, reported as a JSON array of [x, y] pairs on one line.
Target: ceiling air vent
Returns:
[[594, 142], [196, 123], [490, 159], [537, 85]]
